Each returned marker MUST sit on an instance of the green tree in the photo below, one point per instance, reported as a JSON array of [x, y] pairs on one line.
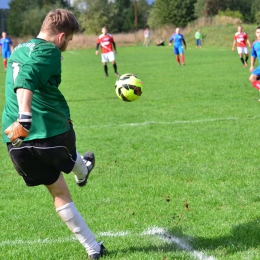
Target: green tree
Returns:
[[26, 16], [200, 8], [211, 7], [255, 10], [171, 12], [117, 17], [125, 15], [233, 14], [96, 14], [143, 9]]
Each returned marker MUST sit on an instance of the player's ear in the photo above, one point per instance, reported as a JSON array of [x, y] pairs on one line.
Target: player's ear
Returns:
[[61, 36]]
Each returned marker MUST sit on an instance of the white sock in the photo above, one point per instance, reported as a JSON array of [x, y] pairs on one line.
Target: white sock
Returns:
[[80, 169], [78, 227]]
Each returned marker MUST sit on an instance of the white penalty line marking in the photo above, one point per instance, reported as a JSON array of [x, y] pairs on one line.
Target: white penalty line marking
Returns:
[[177, 122], [153, 231]]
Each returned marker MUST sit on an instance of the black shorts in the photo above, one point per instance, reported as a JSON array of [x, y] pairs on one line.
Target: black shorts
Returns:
[[41, 161]]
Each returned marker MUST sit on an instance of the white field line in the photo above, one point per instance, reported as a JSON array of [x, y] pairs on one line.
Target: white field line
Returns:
[[153, 231], [73, 52], [177, 122], [160, 232]]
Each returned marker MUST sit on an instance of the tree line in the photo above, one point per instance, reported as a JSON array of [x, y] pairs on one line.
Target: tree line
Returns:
[[25, 17]]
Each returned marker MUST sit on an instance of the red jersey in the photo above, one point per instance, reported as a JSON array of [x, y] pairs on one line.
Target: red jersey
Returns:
[[241, 39], [106, 42]]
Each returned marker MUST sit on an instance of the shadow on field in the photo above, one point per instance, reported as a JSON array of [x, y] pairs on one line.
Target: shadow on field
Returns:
[[242, 237]]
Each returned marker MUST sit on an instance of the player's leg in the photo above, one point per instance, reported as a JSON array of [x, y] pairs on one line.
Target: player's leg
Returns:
[[240, 53], [112, 59], [4, 56], [43, 166], [181, 51], [104, 61], [177, 57], [71, 217], [105, 69], [82, 167], [245, 51], [254, 78]]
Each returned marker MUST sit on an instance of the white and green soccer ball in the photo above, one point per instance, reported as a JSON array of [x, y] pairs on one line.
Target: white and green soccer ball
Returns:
[[129, 87]]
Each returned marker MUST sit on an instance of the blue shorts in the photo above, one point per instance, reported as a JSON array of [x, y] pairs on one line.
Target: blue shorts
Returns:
[[256, 71], [178, 50], [6, 54]]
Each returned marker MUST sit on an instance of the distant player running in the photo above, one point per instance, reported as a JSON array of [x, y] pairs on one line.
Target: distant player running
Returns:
[[241, 39], [178, 41], [107, 54], [6, 48], [255, 73]]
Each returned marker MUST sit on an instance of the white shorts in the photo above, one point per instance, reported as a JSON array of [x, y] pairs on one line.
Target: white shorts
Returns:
[[243, 50], [109, 56]]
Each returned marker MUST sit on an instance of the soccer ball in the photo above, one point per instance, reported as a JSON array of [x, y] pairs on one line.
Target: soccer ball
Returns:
[[128, 87]]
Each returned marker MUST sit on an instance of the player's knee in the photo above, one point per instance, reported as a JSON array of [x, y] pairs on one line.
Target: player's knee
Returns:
[[252, 78]]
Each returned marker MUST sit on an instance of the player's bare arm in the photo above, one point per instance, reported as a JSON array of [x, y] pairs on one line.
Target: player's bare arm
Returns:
[[252, 64], [24, 98], [249, 44], [233, 45], [114, 45], [97, 48], [184, 42]]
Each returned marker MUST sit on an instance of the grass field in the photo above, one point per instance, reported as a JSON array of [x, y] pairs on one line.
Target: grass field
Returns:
[[177, 171]]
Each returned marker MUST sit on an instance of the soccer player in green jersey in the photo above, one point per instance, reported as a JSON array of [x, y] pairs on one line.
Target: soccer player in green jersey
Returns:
[[36, 122]]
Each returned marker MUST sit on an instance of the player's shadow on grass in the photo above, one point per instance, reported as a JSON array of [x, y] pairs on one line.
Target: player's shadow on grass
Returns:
[[241, 237]]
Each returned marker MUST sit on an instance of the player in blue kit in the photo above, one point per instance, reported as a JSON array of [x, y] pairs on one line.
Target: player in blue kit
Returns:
[[178, 41], [6, 48], [255, 73]]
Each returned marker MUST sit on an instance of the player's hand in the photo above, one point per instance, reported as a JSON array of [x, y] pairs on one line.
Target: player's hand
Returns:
[[96, 52], [19, 130]]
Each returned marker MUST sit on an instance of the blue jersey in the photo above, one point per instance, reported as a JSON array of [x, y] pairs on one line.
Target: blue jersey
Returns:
[[178, 39], [256, 50], [5, 44], [256, 54]]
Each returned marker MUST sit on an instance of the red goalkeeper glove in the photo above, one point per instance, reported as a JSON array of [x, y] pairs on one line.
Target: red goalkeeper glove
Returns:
[[19, 130]]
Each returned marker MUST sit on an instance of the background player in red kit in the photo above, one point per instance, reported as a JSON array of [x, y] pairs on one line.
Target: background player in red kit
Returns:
[[241, 39], [107, 54]]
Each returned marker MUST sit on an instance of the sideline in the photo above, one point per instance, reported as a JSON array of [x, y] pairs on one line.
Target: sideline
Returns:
[[177, 122]]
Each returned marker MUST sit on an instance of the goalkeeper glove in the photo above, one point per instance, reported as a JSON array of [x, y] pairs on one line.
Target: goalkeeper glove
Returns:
[[19, 130]]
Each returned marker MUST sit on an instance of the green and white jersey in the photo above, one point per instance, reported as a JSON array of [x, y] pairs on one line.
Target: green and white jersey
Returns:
[[36, 65]]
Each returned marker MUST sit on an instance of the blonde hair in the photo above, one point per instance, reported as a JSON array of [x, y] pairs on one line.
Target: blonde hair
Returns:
[[60, 20]]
